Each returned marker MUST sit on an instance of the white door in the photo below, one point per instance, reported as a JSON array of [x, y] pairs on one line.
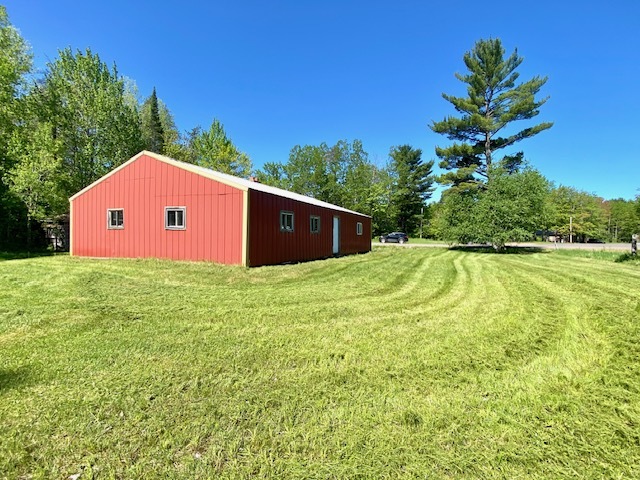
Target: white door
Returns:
[[336, 235]]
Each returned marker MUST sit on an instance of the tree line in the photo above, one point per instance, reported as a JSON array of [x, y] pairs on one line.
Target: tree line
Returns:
[[62, 129]]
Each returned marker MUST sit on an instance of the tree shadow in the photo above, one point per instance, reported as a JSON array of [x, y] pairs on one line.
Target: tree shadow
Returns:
[[21, 255], [627, 257], [485, 249], [15, 378]]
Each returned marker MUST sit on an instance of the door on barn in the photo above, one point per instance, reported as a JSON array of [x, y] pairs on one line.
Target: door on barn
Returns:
[[336, 235]]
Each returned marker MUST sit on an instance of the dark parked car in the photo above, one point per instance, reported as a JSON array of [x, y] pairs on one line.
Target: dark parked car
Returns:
[[397, 237]]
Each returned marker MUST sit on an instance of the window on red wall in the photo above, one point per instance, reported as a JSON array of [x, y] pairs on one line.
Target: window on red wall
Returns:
[[115, 218], [359, 228], [175, 218], [314, 223], [286, 221]]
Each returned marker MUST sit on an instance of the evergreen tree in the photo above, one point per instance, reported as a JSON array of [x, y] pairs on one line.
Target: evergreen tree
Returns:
[[153, 131], [493, 103], [412, 186]]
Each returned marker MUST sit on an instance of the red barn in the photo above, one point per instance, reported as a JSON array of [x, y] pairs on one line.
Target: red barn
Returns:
[[155, 206]]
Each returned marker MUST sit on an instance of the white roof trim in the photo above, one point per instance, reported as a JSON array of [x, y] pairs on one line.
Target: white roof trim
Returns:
[[237, 182]]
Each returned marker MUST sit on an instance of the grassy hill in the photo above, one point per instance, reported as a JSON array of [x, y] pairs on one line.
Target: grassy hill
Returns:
[[402, 363]]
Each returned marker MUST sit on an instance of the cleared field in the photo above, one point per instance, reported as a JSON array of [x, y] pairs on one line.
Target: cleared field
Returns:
[[402, 363]]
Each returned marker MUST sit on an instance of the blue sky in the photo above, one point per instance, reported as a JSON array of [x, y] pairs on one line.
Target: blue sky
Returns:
[[284, 73]]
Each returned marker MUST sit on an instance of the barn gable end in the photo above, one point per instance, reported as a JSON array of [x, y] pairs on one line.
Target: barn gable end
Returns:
[[143, 188]]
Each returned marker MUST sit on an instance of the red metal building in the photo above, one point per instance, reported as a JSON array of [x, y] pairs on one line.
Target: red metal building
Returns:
[[155, 206]]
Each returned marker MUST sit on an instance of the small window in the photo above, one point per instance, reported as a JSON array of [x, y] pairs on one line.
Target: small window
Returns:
[[359, 228], [286, 221], [175, 218], [115, 218], [314, 222]]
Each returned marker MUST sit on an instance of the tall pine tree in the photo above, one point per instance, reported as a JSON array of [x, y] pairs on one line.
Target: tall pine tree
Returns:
[[493, 103], [412, 185], [152, 129]]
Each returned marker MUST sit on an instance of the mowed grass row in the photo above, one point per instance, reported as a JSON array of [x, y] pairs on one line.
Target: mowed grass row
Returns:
[[402, 363]]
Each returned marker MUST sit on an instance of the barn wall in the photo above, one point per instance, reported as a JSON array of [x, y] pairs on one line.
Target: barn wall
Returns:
[[143, 189], [268, 245], [350, 241]]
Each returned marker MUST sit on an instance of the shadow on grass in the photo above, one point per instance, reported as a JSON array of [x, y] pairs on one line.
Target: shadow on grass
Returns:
[[15, 378], [627, 257], [21, 255], [506, 251]]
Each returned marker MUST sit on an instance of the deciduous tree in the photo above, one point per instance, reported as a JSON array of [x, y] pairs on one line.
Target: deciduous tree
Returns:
[[511, 207], [36, 177], [15, 64], [214, 149], [577, 215], [340, 174], [85, 102], [622, 219]]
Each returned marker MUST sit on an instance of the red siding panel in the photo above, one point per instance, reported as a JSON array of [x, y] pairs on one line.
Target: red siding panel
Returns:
[[143, 189], [268, 245]]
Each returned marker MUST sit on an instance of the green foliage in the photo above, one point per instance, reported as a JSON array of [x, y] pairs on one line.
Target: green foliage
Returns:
[[509, 208], [623, 219], [383, 210], [15, 64], [85, 101], [152, 124], [340, 174], [453, 219], [493, 103], [512, 206], [214, 149], [460, 365], [311, 170], [577, 214], [411, 188], [273, 174], [35, 178], [343, 175]]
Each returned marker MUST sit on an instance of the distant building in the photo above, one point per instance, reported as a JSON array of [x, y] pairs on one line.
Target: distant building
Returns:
[[155, 206]]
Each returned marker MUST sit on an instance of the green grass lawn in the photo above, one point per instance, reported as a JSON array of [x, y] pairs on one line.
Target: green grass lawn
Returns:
[[401, 363]]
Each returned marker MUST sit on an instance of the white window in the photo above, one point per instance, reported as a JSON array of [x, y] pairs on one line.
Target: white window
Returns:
[[359, 228], [314, 222], [115, 218], [286, 221], [175, 218]]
